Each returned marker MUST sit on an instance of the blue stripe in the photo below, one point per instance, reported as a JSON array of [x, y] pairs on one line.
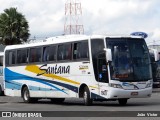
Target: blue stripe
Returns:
[[70, 87], [16, 76], [12, 85], [17, 86], [10, 76]]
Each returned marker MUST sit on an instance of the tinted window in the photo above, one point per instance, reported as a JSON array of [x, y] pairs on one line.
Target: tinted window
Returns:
[[97, 45], [12, 57], [130, 59], [64, 52], [102, 68], [49, 53], [81, 50], [1, 60], [22, 56], [35, 55]]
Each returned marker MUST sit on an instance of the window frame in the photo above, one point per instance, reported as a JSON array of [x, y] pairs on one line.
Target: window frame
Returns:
[[80, 59], [56, 60], [51, 45], [41, 53], [94, 56], [65, 60], [27, 50], [7, 57]]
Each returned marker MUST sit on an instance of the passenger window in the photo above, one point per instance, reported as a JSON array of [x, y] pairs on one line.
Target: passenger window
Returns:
[[81, 50], [1, 60], [22, 56], [35, 55], [12, 57], [64, 52], [49, 53]]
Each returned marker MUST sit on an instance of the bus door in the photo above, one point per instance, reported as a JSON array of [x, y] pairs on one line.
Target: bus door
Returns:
[[103, 79]]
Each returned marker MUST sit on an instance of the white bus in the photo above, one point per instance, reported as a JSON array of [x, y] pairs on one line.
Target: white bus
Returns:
[[93, 67], [155, 62], [1, 74]]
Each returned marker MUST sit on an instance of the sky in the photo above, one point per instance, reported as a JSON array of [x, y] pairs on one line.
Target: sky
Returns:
[[113, 17]]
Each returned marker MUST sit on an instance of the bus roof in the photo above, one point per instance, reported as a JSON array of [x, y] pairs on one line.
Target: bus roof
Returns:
[[65, 38]]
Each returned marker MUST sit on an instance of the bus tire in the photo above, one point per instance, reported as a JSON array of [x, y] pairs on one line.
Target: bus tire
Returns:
[[86, 97], [1, 91], [57, 100], [26, 96], [122, 102]]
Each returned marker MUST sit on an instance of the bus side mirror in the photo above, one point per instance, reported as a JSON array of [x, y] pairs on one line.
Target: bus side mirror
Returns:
[[108, 55]]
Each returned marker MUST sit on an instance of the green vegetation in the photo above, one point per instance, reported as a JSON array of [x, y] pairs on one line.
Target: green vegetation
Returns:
[[14, 28]]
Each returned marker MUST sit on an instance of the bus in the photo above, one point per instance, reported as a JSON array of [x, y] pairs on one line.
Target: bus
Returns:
[[155, 62], [1, 75], [91, 67]]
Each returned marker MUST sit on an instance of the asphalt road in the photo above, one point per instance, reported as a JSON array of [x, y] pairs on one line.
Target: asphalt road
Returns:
[[140, 104]]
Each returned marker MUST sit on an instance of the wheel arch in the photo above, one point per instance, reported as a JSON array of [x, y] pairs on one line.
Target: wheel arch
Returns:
[[81, 89], [1, 90], [23, 86]]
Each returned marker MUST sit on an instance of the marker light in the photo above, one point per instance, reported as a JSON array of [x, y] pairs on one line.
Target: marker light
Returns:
[[149, 84]]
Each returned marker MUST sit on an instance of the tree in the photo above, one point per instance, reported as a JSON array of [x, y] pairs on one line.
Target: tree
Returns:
[[14, 28]]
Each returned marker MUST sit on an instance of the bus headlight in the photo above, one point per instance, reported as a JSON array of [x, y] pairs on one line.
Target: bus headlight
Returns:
[[149, 85], [115, 85]]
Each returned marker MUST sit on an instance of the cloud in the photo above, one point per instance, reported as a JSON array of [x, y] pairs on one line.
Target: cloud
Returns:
[[155, 37], [46, 17], [124, 17], [119, 14], [156, 33]]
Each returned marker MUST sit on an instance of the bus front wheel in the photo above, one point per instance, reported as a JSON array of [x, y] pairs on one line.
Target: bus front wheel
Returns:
[[26, 96], [86, 97], [122, 101]]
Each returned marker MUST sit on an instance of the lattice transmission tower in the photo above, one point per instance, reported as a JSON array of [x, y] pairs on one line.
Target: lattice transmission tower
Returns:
[[73, 17]]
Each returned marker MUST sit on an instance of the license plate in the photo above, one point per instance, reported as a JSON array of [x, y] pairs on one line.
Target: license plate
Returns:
[[134, 93]]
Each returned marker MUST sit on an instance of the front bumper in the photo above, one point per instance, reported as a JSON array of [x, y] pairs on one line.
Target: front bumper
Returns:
[[115, 93]]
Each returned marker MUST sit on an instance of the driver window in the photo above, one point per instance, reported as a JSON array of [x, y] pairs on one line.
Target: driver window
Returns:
[[102, 68]]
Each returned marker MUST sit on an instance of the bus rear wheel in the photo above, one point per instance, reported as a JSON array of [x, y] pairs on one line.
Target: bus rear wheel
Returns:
[[57, 100], [26, 96], [123, 102], [86, 96]]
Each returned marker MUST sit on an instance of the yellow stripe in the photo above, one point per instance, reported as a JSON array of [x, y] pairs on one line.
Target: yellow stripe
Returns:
[[35, 69], [93, 87]]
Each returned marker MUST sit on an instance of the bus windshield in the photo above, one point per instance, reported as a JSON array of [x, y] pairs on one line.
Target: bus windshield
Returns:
[[130, 59]]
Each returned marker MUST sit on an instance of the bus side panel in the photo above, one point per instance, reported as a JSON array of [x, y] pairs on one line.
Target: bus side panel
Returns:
[[51, 84]]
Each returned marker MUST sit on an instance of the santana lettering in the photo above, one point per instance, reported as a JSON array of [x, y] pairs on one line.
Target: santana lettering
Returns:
[[54, 70]]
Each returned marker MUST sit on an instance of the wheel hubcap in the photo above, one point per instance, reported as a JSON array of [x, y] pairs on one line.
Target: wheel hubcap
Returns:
[[26, 94], [85, 96]]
